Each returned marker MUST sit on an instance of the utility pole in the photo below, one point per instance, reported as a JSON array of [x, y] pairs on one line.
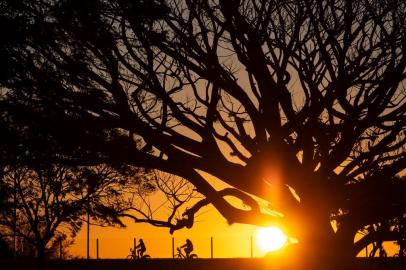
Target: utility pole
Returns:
[[88, 225], [88, 234], [97, 248]]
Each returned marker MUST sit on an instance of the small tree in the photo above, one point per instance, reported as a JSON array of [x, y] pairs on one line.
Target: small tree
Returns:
[[46, 204], [6, 251], [400, 227]]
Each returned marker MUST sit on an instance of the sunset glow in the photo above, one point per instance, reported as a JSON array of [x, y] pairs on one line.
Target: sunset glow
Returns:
[[270, 239]]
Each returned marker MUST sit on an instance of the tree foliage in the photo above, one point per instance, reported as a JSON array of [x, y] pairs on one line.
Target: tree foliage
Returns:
[[43, 205], [301, 103]]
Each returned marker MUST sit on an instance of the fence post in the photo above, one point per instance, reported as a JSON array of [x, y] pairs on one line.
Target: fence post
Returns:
[[252, 248], [173, 247], [97, 248], [211, 247]]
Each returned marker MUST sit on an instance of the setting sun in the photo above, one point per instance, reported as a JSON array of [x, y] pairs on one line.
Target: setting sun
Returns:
[[270, 239]]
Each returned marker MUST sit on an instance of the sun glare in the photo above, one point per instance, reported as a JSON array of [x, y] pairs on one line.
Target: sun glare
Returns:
[[270, 239]]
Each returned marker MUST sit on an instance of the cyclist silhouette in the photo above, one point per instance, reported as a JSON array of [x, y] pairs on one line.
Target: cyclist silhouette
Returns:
[[140, 248], [188, 247]]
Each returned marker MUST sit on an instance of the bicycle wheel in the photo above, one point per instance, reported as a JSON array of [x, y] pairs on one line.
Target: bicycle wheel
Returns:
[[130, 257], [178, 256], [193, 256], [146, 256]]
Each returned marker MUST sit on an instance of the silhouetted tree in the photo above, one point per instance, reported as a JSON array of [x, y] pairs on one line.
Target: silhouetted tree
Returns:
[[400, 227], [5, 246], [46, 204], [172, 199], [301, 102]]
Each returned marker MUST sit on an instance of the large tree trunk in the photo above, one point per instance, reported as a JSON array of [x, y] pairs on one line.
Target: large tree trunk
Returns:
[[320, 247], [41, 258]]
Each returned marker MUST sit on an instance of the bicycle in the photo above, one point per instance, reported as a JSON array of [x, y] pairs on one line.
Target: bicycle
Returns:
[[134, 255], [180, 255]]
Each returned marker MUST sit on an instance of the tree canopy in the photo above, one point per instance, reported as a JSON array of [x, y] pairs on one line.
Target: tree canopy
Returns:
[[300, 103], [46, 204]]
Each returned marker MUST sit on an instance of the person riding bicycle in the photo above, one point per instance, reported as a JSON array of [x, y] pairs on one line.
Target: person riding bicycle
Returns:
[[188, 247], [140, 248]]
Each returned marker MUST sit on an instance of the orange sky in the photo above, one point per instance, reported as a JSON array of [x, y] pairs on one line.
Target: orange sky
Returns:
[[229, 241]]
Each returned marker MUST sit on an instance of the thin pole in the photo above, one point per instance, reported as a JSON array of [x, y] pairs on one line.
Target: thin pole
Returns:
[[211, 247], [252, 248], [134, 243], [173, 247], [88, 234], [97, 248]]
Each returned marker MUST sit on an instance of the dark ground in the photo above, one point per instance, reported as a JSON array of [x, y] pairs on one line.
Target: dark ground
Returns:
[[194, 264]]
